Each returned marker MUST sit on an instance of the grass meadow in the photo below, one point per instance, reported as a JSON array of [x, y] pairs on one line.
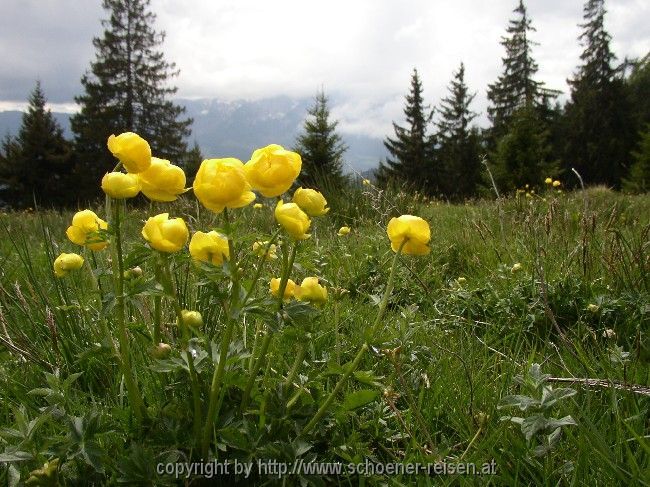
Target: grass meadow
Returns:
[[521, 339]]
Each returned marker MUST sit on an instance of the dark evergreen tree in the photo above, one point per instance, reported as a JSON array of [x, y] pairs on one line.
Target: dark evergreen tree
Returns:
[[598, 127], [320, 147], [411, 150], [523, 156], [458, 150], [516, 86], [38, 164], [127, 89], [192, 161], [638, 180]]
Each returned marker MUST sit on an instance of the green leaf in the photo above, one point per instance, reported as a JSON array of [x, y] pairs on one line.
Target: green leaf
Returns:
[[358, 399], [368, 378], [550, 396], [522, 402], [17, 456]]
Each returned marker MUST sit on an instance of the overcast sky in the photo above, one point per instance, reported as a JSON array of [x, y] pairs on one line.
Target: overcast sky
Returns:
[[361, 51]]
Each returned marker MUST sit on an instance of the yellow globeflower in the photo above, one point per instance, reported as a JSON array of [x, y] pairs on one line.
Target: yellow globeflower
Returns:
[[191, 319], [132, 150], [310, 290], [165, 235], [410, 229], [65, 263], [343, 231], [221, 183], [162, 181], [310, 201], [556, 184], [293, 220], [548, 180], [260, 247], [272, 170], [289, 291], [209, 247], [366, 182], [84, 230], [119, 185], [258, 206]]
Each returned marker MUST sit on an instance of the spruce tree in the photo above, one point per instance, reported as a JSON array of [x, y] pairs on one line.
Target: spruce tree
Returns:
[[516, 86], [638, 179], [320, 147], [38, 165], [411, 150], [599, 131], [458, 151], [127, 89]]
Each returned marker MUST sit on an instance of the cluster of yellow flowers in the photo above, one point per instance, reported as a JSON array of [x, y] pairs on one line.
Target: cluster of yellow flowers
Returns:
[[555, 183], [219, 184], [309, 290]]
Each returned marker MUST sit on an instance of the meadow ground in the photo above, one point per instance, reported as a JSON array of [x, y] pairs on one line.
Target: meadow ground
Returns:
[[479, 358]]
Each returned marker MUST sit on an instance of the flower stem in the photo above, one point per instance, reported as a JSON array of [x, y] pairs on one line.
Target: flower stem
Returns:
[[165, 274], [157, 306], [217, 376], [300, 354], [120, 314], [357, 360]]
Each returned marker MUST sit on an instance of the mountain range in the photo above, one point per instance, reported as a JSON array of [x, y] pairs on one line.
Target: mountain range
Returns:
[[236, 128]]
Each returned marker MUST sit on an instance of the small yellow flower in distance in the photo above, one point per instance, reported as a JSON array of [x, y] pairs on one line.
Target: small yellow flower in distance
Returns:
[[221, 183], [310, 201], [119, 185], [410, 229], [461, 280], [310, 290], [165, 235], [65, 263], [132, 150], [556, 184], [548, 180], [162, 181], [209, 247], [289, 291], [366, 182], [528, 195], [516, 268], [191, 319], [272, 170], [593, 308], [343, 231], [84, 230], [257, 206], [260, 247], [527, 186], [293, 220]]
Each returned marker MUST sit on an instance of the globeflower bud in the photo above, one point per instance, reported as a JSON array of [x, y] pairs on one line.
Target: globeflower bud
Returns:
[[209, 247], [161, 351], [343, 231], [548, 180], [272, 170], [119, 185], [133, 273], [65, 263], [310, 290], [222, 183], [162, 181], [310, 201], [164, 234], [411, 233], [132, 150], [191, 319], [516, 268], [293, 220], [289, 290], [85, 230], [556, 184]]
